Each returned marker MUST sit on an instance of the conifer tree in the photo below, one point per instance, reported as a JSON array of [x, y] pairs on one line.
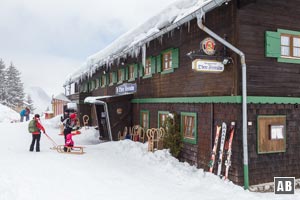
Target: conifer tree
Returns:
[[2, 82], [15, 90], [30, 104], [173, 138]]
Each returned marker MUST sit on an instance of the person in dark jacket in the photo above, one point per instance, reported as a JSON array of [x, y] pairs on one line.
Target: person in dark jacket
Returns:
[[27, 113], [36, 135], [69, 123]]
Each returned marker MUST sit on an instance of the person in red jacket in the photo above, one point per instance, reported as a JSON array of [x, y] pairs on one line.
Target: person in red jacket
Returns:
[[36, 135]]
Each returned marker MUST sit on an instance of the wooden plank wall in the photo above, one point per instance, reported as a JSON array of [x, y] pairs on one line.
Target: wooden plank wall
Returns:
[[266, 76], [263, 167]]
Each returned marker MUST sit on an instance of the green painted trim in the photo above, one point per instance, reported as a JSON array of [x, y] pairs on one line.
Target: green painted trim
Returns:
[[288, 32], [246, 177], [147, 76], [188, 140], [131, 80], [258, 133], [288, 60], [168, 71], [222, 99], [277, 100]]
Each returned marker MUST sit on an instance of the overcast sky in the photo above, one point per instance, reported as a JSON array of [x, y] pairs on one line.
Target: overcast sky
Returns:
[[48, 39]]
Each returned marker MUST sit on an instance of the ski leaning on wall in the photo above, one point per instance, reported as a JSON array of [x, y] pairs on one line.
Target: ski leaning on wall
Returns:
[[229, 152], [214, 150], [223, 136]]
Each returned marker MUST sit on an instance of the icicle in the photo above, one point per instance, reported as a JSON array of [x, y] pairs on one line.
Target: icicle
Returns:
[[189, 26], [161, 40], [144, 55]]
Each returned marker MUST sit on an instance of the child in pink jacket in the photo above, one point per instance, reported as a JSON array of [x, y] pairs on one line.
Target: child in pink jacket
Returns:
[[69, 141]]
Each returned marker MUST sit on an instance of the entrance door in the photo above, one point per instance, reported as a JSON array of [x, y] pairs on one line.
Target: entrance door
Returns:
[[102, 122]]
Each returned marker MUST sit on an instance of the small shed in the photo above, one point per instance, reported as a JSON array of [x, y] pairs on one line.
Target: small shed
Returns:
[[58, 103]]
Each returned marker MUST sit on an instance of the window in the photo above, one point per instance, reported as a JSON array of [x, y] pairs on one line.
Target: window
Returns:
[[148, 67], [162, 116], [97, 84], [131, 72], [271, 133], [189, 127], [85, 87], [283, 45], [167, 60], [111, 78], [103, 80], [290, 46], [145, 119], [120, 75]]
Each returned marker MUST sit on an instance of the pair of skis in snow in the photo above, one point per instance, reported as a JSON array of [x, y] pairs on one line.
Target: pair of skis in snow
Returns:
[[221, 151]]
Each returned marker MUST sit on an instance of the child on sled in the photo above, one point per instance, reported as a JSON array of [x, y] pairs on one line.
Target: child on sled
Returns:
[[69, 142]]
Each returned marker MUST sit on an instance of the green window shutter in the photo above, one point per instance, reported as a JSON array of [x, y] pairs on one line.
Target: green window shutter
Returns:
[[175, 58], [272, 44], [153, 64], [123, 74], [126, 73], [158, 63], [135, 70], [115, 77], [105, 79], [141, 70]]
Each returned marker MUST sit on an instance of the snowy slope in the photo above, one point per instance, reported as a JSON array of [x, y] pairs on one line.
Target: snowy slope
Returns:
[[8, 115], [122, 170], [41, 100]]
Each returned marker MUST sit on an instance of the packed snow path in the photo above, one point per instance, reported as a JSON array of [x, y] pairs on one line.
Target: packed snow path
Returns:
[[112, 170]]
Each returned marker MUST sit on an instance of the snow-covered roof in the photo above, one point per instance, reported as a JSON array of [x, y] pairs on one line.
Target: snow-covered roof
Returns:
[[62, 97], [130, 43]]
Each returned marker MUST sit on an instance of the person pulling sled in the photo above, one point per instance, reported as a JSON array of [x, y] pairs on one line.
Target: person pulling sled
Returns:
[[35, 127]]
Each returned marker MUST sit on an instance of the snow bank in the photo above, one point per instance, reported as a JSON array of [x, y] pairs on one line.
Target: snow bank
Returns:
[[8, 115]]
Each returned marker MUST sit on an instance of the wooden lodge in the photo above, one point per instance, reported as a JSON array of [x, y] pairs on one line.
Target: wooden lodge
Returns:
[[186, 70]]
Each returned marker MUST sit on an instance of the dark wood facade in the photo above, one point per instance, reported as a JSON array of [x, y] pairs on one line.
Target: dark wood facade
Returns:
[[244, 24]]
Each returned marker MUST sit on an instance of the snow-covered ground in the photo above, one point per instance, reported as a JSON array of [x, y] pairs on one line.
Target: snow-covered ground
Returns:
[[111, 171]]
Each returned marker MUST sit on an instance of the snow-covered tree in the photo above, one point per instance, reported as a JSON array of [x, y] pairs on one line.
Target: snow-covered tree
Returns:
[[29, 103], [15, 90], [2, 82]]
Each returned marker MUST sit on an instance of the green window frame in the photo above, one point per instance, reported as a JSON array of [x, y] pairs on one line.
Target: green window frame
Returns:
[[145, 119], [162, 115], [168, 61], [93, 85], [188, 127], [283, 45], [85, 87]]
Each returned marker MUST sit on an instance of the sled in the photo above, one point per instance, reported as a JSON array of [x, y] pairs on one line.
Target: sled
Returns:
[[70, 150]]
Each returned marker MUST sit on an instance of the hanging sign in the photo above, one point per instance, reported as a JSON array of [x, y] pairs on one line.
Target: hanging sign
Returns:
[[208, 45], [126, 88], [207, 66]]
